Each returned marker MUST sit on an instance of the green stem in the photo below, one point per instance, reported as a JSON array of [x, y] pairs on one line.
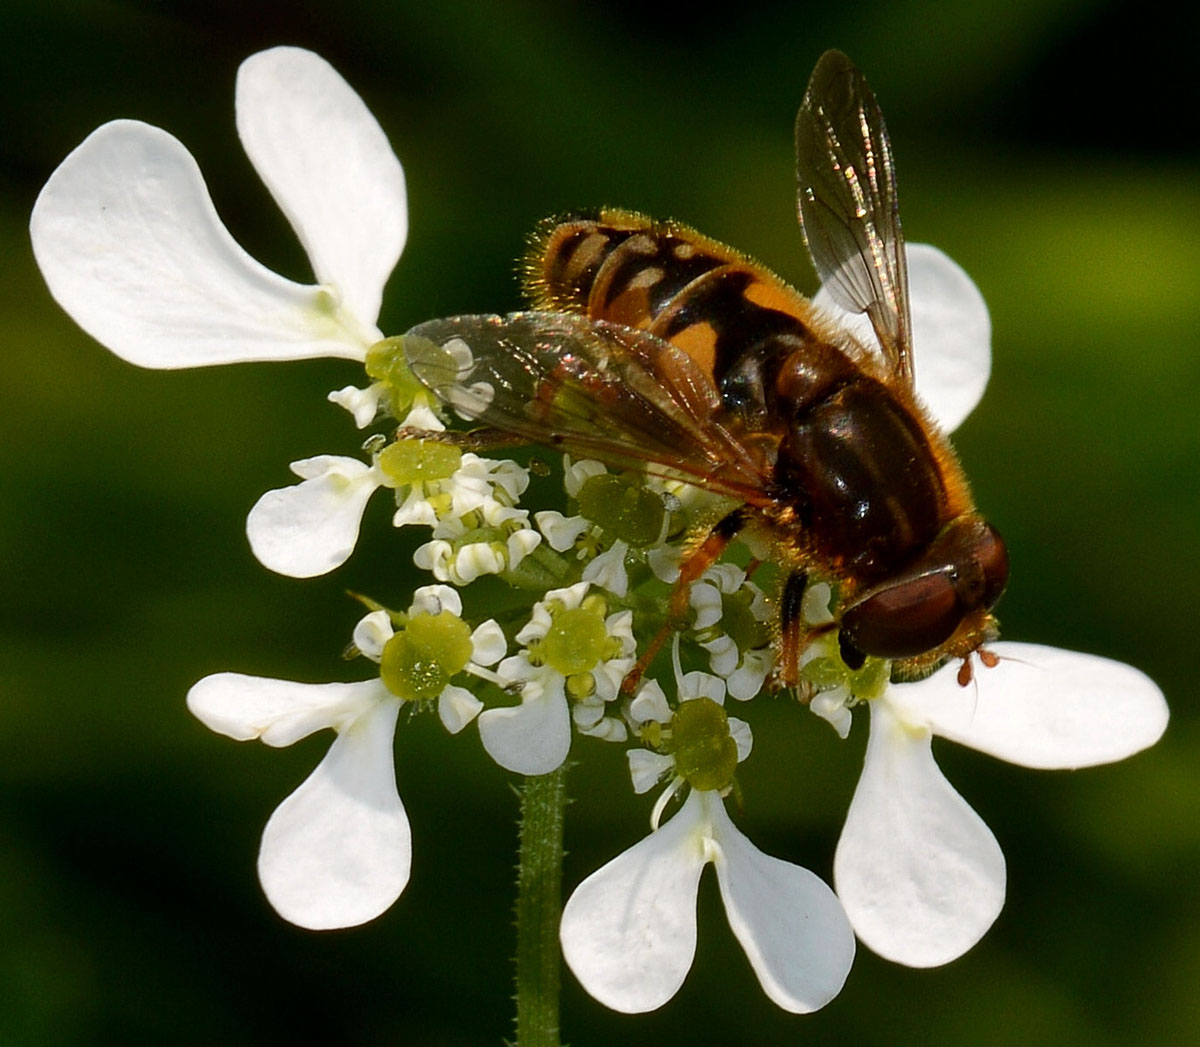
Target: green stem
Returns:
[[539, 907]]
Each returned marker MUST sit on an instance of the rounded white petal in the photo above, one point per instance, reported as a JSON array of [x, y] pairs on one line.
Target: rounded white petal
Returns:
[[1041, 707], [278, 712], [488, 644], [415, 510], [330, 168], [132, 248], [587, 713], [747, 680], [560, 531], [311, 528], [648, 768], [521, 543], [742, 737], [831, 706], [698, 684], [629, 930], [609, 729], [952, 336], [920, 874], [372, 633], [337, 852], [434, 556], [650, 704], [608, 570], [457, 707], [531, 738], [951, 331], [792, 926], [434, 599], [705, 599]]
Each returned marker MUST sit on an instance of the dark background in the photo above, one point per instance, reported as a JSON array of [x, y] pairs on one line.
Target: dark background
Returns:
[[1049, 146]]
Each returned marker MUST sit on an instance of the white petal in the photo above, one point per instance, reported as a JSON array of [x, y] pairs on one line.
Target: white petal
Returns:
[[372, 633], [278, 712], [488, 644], [608, 570], [952, 336], [560, 531], [473, 560], [629, 930], [131, 247], [609, 729], [415, 510], [831, 705], [587, 713], [337, 852], [747, 680], [742, 736], [422, 416], [434, 599], [697, 684], [329, 166], [647, 768], [310, 528], [457, 707], [952, 355], [722, 654], [521, 543], [363, 404], [920, 875], [650, 704], [1041, 707], [531, 738], [790, 923]]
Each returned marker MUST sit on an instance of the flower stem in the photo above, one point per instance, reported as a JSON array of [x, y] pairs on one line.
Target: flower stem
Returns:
[[539, 907]]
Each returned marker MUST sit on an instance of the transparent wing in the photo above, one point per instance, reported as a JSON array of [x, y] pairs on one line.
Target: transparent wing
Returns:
[[601, 390], [846, 189]]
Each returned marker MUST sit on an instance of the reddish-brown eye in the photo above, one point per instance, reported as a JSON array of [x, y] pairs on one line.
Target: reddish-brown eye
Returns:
[[907, 619]]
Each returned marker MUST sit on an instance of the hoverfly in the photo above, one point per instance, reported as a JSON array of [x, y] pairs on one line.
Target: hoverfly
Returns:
[[650, 346]]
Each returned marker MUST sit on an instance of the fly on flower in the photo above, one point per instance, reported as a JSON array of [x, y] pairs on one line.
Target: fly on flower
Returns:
[[657, 348]]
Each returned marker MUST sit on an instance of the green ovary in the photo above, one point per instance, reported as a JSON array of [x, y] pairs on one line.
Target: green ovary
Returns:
[[418, 461], [576, 641], [623, 507], [418, 662], [705, 754]]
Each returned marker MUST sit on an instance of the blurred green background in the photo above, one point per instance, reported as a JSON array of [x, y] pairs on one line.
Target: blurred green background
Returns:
[[1047, 145]]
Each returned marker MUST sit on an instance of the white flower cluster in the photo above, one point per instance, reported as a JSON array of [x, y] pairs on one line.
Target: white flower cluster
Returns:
[[131, 246]]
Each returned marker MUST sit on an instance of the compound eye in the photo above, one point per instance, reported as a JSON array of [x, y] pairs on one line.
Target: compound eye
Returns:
[[992, 556], [907, 619]]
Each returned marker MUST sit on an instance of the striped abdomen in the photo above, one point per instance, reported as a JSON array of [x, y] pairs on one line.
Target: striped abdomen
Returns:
[[727, 312]]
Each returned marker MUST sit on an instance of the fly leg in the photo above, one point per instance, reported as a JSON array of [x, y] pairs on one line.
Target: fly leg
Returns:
[[478, 440], [699, 560]]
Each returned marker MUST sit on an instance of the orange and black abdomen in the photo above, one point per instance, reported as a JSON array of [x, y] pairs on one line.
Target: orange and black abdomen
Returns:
[[732, 316]]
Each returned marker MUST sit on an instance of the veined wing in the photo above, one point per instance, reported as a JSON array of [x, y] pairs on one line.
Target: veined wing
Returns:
[[596, 389], [846, 190]]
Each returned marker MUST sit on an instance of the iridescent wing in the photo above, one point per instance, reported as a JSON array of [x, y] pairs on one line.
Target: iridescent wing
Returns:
[[595, 389], [846, 189]]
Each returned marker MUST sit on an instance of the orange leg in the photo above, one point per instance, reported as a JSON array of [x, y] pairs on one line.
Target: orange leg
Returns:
[[699, 560]]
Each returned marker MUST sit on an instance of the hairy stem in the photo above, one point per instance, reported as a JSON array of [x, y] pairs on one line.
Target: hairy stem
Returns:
[[539, 907]]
